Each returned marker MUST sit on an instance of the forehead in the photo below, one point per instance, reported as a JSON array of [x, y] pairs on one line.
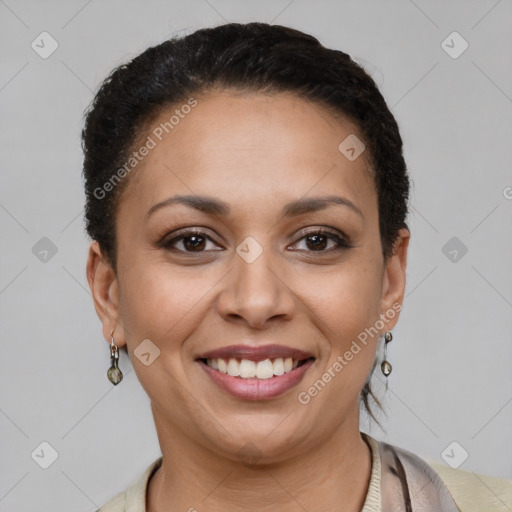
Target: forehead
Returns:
[[248, 147]]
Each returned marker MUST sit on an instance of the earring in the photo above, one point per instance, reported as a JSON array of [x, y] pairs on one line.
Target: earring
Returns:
[[114, 374], [386, 366]]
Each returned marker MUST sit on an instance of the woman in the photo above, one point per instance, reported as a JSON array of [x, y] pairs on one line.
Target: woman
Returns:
[[247, 198]]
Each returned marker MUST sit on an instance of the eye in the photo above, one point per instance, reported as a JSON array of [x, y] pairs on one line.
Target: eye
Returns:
[[192, 240], [318, 241], [196, 241]]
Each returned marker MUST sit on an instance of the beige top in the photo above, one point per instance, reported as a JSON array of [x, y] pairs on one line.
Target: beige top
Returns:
[[470, 491]]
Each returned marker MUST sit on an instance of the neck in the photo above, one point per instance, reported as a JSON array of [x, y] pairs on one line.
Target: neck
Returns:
[[334, 475]]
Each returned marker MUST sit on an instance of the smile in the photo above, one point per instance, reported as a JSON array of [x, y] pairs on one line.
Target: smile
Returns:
[[256, 380], [246, 369]]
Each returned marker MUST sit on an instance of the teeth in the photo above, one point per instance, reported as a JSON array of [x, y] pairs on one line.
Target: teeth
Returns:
[[233, 368], [279, 366], [247, 369], [265, 369], [223, 367]]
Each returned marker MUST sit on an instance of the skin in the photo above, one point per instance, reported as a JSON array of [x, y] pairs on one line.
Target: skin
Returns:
[[255, 152]]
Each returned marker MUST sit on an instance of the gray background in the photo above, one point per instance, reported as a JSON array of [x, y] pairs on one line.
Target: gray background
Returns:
[[452, 349]]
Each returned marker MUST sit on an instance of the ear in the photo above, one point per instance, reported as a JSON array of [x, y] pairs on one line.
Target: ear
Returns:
[[393, 286], [104, 288]]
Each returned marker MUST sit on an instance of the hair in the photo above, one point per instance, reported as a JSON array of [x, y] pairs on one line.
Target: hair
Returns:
[[252, 57]]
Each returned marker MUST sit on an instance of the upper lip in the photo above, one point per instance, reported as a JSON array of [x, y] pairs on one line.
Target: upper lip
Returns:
[[259, 353]]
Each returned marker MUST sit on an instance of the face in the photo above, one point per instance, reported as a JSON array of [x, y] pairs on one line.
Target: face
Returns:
[[252, 265]]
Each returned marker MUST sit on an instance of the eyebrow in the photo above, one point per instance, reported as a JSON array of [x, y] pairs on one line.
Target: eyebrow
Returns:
[[213, 206]]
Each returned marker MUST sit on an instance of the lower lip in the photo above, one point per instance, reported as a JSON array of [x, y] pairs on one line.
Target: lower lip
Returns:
[[257, 389]]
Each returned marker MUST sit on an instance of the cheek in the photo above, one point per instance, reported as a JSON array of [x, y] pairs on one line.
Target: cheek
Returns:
[[157, 297], [348, 299], [345, 316], [164, 305], [160, 304], [347, 309]]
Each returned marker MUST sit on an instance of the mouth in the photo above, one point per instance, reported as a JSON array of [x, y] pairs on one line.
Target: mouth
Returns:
[[249, 369], [256, 373]]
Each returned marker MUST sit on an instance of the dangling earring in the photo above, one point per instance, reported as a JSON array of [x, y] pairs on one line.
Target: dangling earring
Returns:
[[114, 374], [386, 366]]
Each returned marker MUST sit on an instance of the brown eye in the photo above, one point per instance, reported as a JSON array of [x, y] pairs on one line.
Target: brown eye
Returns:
[[189, 242], [194, 242], [318, 241]]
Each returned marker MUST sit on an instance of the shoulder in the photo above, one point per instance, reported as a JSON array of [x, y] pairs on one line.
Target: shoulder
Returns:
[[134, 498], [116, 504], [471, 492], [474, 492]]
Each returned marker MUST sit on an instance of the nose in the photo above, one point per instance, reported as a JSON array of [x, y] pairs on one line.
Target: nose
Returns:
[[255, 293]]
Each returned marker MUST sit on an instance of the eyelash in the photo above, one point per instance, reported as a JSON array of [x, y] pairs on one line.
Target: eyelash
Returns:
[[341, 242]]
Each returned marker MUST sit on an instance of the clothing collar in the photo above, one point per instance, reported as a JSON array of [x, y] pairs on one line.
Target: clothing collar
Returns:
[[399, 480]]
